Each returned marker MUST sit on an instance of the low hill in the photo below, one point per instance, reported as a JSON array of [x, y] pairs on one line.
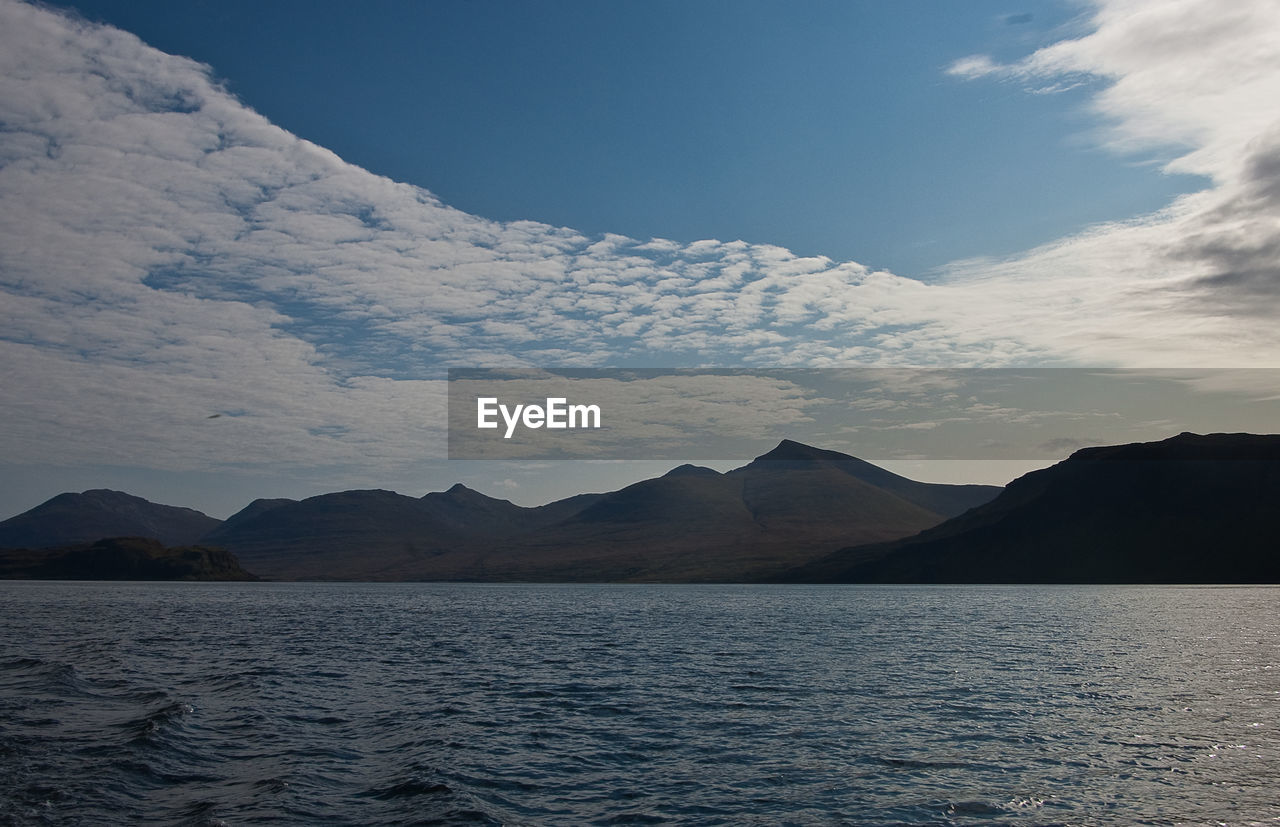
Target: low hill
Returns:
[[122, 558]]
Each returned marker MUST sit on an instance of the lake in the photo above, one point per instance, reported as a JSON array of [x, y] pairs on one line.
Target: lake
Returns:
[[303, 703]]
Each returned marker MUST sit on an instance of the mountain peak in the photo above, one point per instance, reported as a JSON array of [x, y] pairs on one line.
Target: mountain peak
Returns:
[[689, 470], [790, 450], [460, 496], [98, 496], [70, 518]]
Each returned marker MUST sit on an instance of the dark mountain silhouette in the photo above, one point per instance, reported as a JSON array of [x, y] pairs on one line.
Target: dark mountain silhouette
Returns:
[[378, 534], [122, 558], [788, 506], [82, 518], [1189, 509], [253, 509], [947, 500], [348, 534], [688, 470], [469, 513]]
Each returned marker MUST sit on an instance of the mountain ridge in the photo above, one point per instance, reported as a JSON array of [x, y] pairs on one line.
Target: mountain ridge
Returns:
[[84, 517], [691, 523], [1190, 508]]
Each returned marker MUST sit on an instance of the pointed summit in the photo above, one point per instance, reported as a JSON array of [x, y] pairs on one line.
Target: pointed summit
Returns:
[[791, 451], [459, 494], [791, 457]]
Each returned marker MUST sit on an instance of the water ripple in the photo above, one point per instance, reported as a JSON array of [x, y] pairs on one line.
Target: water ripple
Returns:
[[532, 705]]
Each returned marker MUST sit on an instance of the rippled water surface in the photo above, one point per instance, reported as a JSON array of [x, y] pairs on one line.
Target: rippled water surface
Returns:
[[431, 703]]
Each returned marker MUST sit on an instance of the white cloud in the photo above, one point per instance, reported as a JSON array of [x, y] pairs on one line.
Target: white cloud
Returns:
[[1191, 74], [1191, 284], [976, 66], [166, 253]]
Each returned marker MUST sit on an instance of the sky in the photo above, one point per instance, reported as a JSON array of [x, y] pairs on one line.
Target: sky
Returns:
[[241, 245]]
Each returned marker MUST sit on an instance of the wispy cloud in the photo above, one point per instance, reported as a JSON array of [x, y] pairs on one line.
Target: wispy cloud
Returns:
[[1192, 79]]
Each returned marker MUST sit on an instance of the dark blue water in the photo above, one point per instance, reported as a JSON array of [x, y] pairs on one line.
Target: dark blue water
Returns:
[[445, 704]]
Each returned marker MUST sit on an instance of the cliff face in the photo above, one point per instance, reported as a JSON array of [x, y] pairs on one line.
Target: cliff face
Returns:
[[1189, 509], [122, 558]]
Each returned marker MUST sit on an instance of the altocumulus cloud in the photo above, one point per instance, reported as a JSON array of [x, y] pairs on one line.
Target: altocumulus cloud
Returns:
[[167, 253]]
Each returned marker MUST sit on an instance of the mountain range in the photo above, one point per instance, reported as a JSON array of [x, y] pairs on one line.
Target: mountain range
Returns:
[[783, 509], [1191, 508], [786, 507]]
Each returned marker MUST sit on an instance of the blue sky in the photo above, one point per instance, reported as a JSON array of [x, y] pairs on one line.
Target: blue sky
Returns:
[[295, 216], [829, 130]]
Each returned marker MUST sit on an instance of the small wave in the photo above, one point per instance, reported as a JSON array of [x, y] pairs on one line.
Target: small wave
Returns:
[[470, 817], [532, 694], [156, 721], [974, 809], [174, 710], [322, 720], [42, 794], [635, 818], [408, 789], [576, 688], [63, 676], [66, 681], [22, 663], [220, 682], [918, 763], [200, 814], [271, 785]]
